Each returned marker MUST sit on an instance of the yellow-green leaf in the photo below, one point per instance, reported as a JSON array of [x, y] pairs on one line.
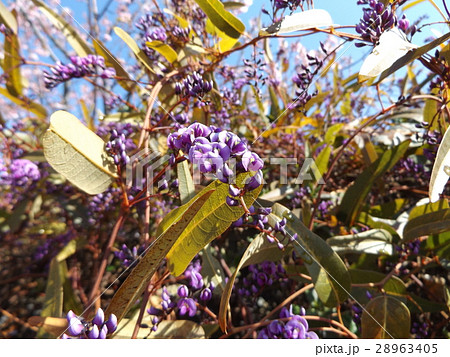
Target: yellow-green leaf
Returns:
[[181, 21], [7, 18], [25, 103], [75, 40], [141, 56], [78, 154], [11, 65], [211, 221], [430, 223], [385, 317], [139, 278], [225, 21], [112, 61], [164, 49], [441, 168], [185, 182]]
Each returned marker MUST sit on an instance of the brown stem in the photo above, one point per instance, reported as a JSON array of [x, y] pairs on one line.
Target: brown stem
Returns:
[[104, 262]]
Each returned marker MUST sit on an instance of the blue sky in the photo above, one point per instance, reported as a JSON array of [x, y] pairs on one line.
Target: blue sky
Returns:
[[343, 12]]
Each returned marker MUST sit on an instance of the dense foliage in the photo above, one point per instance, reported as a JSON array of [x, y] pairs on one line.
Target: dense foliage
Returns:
[[167, 171]]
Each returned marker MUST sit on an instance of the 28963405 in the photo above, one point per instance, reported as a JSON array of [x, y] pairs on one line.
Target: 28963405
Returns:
[[406, 348]]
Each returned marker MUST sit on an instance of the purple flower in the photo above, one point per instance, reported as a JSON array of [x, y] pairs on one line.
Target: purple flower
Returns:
[[99, 318], [251, 161], [21, 173], [183, 291], [187, 306], [80, 67], [205, 294], [76, 327]]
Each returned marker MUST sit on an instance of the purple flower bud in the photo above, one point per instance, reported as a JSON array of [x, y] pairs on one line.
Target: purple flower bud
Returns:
[[234, 191], [165, 295], [103, 333], [76, 327], [99, 317], [205, 294], [94, 332], [187, 306], [232, 202], [183, 291], [254, 182], [70, 315], [111, 324]]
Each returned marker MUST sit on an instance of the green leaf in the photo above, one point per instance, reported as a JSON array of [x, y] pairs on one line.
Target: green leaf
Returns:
[[78, 154], [299, 21], [68, 250], [332, 132], [356, 194], [441, 168], [7, 18], [140, 276], [439, 244], [387, 210], [420, 210], [181, 21], [258, 251], [26, 104], [53, 303], [212, 270], [322, 160], [11, 65], [394, 285], [185, 182], [329, 274], [372, 241], [141, 56], [225, 21], [75, 40], [164, 49], [112, 61], [210, 222], [385, 317], [412, 55], [430, 223]]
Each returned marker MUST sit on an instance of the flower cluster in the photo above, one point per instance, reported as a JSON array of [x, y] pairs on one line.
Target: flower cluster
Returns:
[[291, 4], [420, 329], [304, 79], [181, 33], [116, 148], [259, 277], [188, 295], [128, 256], [218, 151], [20, 173], [290, 326], [257, 218], [100, 205], [193, 86], [376, 19], [80, 67], [98, 328]]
